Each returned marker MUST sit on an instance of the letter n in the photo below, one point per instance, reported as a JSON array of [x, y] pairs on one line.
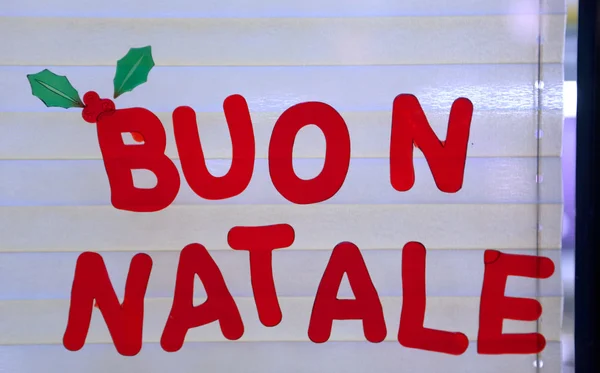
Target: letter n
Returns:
[[446, 159], [124, 320]]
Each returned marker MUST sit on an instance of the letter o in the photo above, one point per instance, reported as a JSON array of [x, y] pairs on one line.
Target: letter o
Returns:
[[337, 154]]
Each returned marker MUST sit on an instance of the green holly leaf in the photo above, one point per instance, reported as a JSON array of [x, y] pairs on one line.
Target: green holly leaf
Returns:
[[54, 90], [133, 69]]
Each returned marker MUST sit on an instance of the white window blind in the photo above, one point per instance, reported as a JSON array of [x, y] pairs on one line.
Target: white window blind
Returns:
[[357, 56]]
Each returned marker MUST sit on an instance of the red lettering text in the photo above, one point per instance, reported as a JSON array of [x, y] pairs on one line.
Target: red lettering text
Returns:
[[337, 155], [260, 242], [219, 305], [412, 334], [366, 306], [445, 158], [495, 307], [192, 157], [124, 321], [121, 159]]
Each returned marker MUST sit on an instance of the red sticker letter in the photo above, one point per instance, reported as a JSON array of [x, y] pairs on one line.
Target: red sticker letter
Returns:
[[124, 321], [446, 159], [337, 155], [495, 307], [366, 306], [412, 334], [260, 242], [192, 157], [121, 159], [219, 305]]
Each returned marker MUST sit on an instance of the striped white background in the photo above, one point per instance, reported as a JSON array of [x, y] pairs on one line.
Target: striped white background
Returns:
[[355, 55]]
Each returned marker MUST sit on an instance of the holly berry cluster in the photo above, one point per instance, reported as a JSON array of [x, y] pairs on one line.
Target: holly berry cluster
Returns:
[[56, 90], [94, 106]]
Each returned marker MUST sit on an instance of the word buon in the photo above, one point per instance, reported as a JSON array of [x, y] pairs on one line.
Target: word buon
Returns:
[[409, 128]]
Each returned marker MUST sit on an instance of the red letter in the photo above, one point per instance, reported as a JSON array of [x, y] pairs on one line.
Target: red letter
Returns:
[[412, 334], [193, 162], [366, 306], [124, 321], [446, 159], [260, 242], [337, 155], [495, 307], [219, 305], [121, 159]]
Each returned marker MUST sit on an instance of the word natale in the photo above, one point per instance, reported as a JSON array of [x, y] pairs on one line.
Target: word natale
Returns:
[[409, 128]]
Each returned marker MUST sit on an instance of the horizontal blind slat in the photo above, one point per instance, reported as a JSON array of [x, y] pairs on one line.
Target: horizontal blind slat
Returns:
[[506, 87], [271, 357], [457, 272], [44, 321], [316, 226], [273, 8], [284, 41], [486, 180], [65, 135]]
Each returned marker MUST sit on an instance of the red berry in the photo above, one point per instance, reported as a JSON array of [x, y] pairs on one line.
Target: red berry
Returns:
[[89, 114], [90, 97], [107, 105]]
